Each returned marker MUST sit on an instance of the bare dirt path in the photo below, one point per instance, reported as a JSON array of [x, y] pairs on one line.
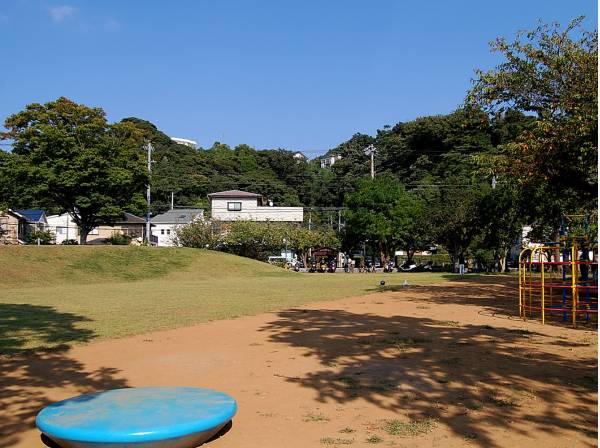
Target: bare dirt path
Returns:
[[446, 365]]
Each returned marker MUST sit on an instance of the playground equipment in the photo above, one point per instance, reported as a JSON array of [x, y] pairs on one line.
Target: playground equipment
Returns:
[[147, 417], [560, 277]]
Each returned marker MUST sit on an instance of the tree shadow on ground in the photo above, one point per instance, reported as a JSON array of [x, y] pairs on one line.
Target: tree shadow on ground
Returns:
[[498, 295], [473, 379], [26, 376]]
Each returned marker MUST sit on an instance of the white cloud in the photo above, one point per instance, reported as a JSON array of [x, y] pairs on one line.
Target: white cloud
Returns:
[[62, 12]]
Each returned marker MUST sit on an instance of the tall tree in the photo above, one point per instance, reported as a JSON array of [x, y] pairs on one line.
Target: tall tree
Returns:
[[456, 216], [550, 73], [69, 153], [382, 213]]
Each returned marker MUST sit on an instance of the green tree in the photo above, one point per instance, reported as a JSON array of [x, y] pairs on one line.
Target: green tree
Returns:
[[303, 240], [383, 213], [411, 221], [67, 152], [456, 216], [200, 234], [255, 240], [551, 74], [502, 221]]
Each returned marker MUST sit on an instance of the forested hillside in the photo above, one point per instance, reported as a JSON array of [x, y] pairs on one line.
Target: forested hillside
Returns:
[[423, 153]]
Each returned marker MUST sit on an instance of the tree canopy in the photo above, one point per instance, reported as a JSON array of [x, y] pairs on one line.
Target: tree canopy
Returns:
[[68, 155], [551, 74]]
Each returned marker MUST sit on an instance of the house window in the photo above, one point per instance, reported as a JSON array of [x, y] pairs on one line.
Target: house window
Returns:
[[234, 206], [168, 231], [94, 231], [162, 231], [61, 230]]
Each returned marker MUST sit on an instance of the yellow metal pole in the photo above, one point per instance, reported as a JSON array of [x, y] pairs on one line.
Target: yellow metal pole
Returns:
[[531, 280], [542, 269], [521, 281]]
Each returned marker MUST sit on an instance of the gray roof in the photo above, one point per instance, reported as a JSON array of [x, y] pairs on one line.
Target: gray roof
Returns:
[[178, 216], [131, 219], [234, 194]]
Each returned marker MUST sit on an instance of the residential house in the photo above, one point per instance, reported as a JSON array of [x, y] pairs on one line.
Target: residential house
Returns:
[[13, 227], [236, 205], [299, 157], [130, 225], [63, 227], [329, 161], [165, 225], [36, 219], [185, 142]]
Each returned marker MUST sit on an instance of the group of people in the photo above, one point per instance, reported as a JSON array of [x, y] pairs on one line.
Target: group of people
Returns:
[[349, 264]]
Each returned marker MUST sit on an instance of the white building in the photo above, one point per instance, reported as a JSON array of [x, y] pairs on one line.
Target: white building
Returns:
[[234, 205], [165, 225], [299, 157], [185, 141], [64, 227], [328, 161]]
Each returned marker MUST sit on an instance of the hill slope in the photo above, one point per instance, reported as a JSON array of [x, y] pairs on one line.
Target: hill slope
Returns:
[[23, 266]]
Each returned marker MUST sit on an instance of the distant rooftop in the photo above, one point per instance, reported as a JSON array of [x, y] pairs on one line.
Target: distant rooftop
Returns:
[[131, 219], [32, 215], [234, 194], [178, 216], [185, 141]]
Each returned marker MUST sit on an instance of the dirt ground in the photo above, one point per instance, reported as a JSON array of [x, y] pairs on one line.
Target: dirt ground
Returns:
[[445, 365]]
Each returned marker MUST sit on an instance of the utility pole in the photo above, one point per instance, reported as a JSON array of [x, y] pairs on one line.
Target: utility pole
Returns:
[[149, 148], [370, 151]]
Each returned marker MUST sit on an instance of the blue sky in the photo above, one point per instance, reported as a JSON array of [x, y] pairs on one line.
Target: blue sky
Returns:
[[301, 75]]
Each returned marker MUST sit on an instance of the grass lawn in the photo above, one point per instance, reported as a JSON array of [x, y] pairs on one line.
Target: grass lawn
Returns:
[[55, 296]]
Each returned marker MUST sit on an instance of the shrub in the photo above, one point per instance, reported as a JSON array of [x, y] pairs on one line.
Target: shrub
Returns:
[[199, 234], [119, 239], [44, 237]]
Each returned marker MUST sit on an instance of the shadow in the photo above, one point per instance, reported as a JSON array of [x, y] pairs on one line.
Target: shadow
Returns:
[[224, 430], [471, 378], [46, 327], [49, 442], [496, 294], [28, 375]]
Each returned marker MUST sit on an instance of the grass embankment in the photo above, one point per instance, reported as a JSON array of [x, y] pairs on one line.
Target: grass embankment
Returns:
[[54, 296]]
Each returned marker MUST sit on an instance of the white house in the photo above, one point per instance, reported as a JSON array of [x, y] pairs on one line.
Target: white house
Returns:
[[234, 205], [185, 141], [166, 224], [328, 161], [64, 227], [299, 157]]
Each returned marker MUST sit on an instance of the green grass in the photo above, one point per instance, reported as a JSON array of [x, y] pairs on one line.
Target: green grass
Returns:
[[336, 441], [409, 429], [55, 296], [312, 417]]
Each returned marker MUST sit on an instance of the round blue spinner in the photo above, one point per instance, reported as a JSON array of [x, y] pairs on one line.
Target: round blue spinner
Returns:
[[148, 417]]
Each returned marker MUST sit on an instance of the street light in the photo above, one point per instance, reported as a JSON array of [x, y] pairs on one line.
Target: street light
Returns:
[[370, 151]]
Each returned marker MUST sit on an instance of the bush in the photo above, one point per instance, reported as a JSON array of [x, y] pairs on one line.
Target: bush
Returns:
[[70, 242], [198, 234], [44, 237], [119, 239]]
